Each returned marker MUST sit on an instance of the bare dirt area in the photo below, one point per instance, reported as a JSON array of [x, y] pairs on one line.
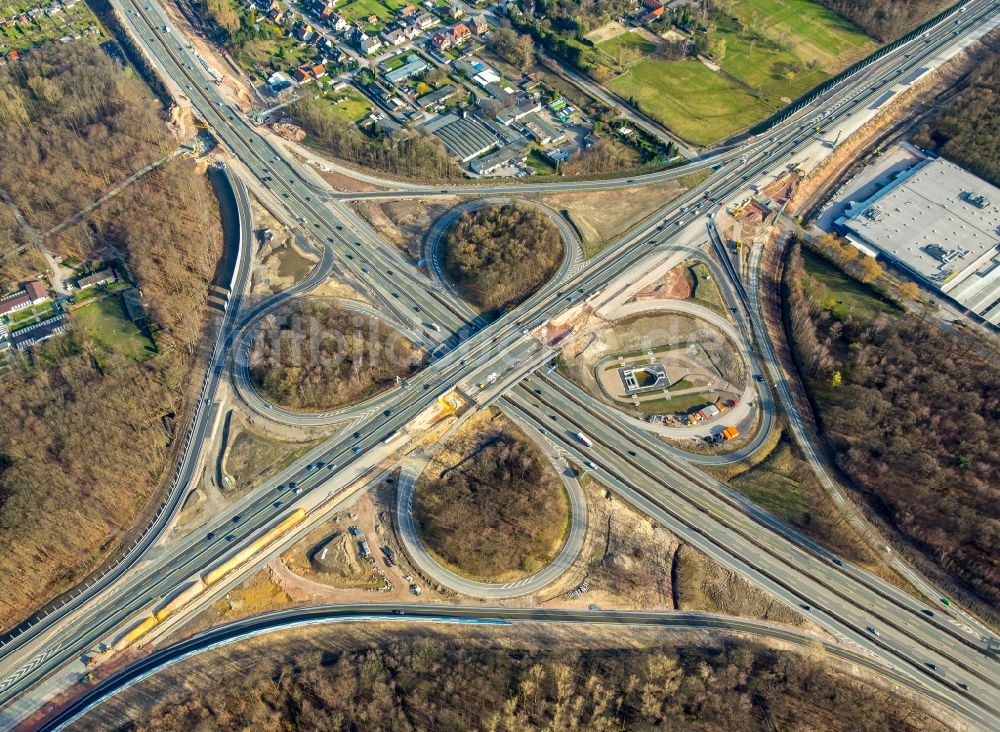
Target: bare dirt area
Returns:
[[606, 32], [344, 551], [345, 183], [345, 577], [673, 285], [626, 560], [598, 222], [405, 222], [257, 595], [280, 261]]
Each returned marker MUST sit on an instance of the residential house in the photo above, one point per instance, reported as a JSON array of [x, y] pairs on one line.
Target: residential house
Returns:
[[424, 21], [101, 277], [406, 11], [278, 82], [460, 33], [369, 45], [394, 37], [301, 74], [651, 16], [318, 71], [305, 32], [456, 11], [442, 40], [479, 25], [31, 294]]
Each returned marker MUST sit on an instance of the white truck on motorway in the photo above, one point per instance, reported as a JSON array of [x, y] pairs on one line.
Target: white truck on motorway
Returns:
[[584, 440]]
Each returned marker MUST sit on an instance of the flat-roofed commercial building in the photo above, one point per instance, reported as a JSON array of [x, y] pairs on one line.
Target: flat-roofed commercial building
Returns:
[[941, 224]]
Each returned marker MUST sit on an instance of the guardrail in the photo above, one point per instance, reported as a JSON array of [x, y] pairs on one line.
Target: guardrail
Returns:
[[183, 469]]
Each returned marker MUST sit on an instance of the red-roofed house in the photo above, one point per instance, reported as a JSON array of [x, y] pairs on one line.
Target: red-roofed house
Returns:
[[460, 33], [442, 41], [32, 294]]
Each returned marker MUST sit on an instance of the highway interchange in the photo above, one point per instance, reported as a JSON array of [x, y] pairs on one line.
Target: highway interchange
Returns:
[[842, 599]]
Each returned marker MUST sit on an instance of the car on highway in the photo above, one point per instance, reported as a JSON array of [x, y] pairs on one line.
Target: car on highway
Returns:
[[237, 518], [296, 490], [872, 630], [209, 536], [231, 537], [277, 504], [932, 666], [310, 468], [398, 612]]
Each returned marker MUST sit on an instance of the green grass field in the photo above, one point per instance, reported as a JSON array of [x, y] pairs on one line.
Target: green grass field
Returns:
[[768, 485], [106, 324], [766, 69], [692, 100], [814, 33], [347, 104], [361, 9], [843, 296], [630, 39]]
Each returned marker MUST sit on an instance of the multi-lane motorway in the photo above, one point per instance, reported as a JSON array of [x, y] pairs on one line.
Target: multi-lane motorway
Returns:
[[843, 599], [286, 620]]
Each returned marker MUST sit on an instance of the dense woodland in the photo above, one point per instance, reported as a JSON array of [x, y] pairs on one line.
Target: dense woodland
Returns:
[[500, 508], [72, 124], [428, 683], [967, 129], [498, 255], [85, 432], [316, 355], [408, 153], [886, 20], [912, 414]]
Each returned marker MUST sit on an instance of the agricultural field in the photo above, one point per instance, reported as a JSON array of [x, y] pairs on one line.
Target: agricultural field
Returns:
[[812, 32], [768, 52], [25, 24], [692, 100]]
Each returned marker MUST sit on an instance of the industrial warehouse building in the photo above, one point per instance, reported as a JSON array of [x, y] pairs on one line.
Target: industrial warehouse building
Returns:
[[464, 137], [939, 223]]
